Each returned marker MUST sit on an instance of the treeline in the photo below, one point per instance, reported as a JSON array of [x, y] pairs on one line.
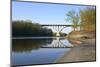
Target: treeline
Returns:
[[86, 18], [22, 28]]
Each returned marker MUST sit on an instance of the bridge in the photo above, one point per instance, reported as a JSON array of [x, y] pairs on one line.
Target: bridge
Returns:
[[57, 27]]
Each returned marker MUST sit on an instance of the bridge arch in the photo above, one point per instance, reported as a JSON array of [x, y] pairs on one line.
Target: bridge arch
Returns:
[[57, 27]]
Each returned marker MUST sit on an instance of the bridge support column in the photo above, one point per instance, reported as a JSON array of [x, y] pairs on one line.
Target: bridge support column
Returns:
[[59, 29]]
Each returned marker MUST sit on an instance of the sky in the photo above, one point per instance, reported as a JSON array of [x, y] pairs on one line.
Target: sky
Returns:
[[43, 13]]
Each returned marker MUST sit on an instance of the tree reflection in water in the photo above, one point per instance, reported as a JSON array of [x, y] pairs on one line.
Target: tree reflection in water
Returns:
[[27, 45]]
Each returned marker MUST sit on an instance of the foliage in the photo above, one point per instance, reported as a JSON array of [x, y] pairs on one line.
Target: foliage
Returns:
[[88, 19], [73, 17], [27, 28]]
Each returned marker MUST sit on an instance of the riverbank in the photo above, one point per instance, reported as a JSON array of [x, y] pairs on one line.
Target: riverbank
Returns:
[[86, 51], [81, 35]]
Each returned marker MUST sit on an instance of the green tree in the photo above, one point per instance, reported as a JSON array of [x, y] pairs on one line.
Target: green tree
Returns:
[[73, 17], [28, 28]]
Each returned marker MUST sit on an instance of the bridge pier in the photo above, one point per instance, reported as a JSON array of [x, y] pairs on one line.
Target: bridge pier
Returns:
[[59, 29]]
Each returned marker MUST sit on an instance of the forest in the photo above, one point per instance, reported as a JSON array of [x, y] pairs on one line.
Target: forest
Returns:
[[28, 29]]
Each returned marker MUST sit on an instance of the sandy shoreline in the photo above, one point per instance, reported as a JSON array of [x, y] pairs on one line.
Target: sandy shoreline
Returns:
[[86, 51]]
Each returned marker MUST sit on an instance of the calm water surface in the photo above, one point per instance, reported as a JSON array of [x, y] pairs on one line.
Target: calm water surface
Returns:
[[40, 50]]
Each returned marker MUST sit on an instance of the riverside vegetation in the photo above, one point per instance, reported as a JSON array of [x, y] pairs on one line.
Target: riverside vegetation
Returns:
[[22, 28], [87, 21]]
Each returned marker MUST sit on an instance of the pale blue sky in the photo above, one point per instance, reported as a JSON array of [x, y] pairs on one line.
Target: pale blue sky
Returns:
[[42, 13]]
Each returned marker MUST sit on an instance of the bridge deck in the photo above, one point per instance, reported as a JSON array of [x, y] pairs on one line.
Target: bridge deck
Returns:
[[56, 25]]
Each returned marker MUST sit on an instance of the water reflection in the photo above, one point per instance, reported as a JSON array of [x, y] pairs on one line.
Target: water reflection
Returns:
[[59, 42], [27, 45], [51, 50], [31, 51]]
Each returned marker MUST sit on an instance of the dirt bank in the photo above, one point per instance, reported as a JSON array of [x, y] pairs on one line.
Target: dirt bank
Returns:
[[86, 51], [81, 35]]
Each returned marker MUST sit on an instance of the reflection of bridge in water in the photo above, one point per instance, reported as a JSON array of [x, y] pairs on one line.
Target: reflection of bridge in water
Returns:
[[58, 42], [57, 27]]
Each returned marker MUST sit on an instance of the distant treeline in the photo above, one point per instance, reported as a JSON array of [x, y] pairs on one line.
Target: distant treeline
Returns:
[[22, 28]]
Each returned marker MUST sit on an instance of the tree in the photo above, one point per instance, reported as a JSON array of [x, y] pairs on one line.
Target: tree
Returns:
[[73, 17], [88, 19], [28, 29]]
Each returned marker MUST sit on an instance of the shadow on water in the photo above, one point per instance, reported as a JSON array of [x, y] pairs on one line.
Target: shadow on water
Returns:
[[27, 45]]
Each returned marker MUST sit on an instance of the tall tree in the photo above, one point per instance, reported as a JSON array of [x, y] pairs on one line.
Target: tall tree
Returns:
[[73, 17]]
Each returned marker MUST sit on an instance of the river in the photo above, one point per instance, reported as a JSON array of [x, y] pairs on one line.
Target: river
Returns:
[[48, 50]]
